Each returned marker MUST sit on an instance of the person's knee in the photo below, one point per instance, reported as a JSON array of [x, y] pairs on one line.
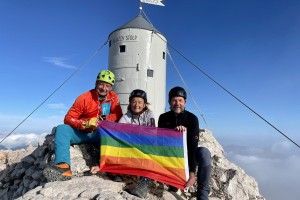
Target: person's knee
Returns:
[[203, 156], [62, 128], [63, 134]]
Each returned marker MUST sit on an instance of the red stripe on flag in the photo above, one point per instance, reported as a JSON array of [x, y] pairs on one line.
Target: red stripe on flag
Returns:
[[170, 176]]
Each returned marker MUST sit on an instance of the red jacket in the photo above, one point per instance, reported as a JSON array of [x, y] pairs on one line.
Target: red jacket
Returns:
[[87, 106]]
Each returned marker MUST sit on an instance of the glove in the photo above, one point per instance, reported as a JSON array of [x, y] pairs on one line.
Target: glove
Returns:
[[92, 123]]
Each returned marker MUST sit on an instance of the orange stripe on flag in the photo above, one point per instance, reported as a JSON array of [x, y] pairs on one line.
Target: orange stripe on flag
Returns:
[[143, 167]]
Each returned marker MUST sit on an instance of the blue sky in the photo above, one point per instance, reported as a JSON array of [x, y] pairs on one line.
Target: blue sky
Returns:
[[251, 47]]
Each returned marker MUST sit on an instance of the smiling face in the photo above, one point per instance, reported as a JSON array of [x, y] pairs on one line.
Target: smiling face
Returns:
[[103, 88], [137, 105], [177, 104]]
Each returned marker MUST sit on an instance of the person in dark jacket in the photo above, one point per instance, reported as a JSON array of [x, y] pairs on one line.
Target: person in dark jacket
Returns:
[[182, 120]]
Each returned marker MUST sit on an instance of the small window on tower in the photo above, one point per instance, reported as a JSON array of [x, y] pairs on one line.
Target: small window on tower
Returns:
[[150, 72], [122, 48], [109, 43], [164, 55]]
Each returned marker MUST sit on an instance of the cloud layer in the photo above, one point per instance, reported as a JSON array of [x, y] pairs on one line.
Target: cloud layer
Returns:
[[21, 141], [276, 168]]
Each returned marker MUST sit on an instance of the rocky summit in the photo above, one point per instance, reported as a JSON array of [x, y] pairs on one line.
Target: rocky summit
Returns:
[[22, 178]]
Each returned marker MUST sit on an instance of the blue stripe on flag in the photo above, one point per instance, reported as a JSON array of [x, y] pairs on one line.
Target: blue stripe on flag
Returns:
[[143, 139]]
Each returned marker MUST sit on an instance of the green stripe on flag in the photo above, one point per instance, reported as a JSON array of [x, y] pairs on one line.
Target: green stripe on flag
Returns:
[[166, 151]]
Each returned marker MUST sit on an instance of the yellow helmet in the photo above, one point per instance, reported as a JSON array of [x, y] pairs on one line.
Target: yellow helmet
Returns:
[[106, 76]]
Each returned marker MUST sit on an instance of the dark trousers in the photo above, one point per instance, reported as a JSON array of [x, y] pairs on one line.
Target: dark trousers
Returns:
[[203, 175]]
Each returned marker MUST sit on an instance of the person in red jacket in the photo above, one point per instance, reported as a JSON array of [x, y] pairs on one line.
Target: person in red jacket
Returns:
[[80, 124]]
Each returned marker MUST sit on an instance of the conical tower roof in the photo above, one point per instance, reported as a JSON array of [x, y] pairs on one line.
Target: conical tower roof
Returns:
[[137, 22]]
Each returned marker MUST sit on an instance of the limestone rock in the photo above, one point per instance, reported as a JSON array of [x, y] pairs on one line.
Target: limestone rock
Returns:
[[21, 176], [228, 181]]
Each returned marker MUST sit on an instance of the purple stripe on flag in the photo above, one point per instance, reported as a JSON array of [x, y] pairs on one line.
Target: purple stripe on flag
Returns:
[[137, 129]]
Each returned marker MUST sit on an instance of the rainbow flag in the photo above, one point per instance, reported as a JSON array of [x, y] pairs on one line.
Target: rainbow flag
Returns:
[[156, 153]]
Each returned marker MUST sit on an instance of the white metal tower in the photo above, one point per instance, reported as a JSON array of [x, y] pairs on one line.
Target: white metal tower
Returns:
[[137, 56]]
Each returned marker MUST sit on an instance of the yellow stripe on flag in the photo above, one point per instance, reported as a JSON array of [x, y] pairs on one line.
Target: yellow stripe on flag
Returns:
[[171, 162]]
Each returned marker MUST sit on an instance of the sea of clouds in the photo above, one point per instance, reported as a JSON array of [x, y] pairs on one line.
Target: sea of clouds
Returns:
[[21, 141], [276, 168]]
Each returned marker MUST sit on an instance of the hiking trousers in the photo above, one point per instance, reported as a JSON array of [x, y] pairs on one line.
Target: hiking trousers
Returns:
[[65, 136], [203, 175]]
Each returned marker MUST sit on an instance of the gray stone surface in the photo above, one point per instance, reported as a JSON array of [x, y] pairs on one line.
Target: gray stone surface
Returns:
[[21, 177]]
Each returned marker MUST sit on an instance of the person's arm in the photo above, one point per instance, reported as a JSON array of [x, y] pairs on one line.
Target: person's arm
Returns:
[[83, 113], [161, 122], [72, 118]]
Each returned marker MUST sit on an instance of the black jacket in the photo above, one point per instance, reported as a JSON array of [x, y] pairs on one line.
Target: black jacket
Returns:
[[190, 121]]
